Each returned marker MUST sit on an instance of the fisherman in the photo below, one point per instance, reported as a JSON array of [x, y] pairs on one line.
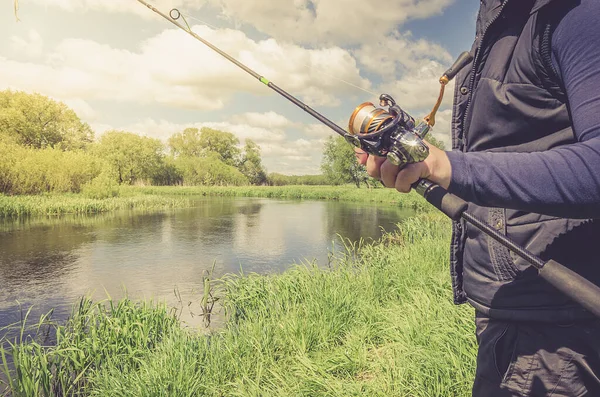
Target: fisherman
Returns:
[[526, 155]]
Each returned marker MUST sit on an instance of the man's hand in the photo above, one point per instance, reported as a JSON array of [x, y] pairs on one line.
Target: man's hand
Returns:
[[436, 167]]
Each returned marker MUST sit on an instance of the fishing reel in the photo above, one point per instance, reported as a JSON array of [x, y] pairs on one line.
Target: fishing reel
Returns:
[[390, 132]]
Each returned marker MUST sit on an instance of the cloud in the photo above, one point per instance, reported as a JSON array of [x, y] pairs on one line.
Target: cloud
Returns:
[[263, 120], [418, 89], [299, 21], [31, 46], [328, 21], [397, 54], [120, 6], [173, 69]]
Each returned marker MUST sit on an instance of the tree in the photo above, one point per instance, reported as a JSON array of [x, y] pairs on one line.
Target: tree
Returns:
[[221, 142], [186, 143], [339, 164], [131, 157], [39, 122], [251, 164], [435, 142], [209, 170]]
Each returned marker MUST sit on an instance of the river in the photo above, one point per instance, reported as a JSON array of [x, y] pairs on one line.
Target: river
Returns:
[[52, 262]]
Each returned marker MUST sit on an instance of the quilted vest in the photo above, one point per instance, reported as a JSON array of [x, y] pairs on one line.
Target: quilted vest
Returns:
[[510, 99]]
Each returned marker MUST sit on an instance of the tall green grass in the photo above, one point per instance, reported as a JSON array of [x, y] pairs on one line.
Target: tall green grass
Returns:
[[153, 198], [379, 322], [341, 193], [58, 204]]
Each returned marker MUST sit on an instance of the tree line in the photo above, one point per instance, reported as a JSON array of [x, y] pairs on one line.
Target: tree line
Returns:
[[46, 147]]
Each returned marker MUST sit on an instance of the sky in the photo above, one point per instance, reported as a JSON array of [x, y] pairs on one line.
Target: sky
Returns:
[[120, 66]]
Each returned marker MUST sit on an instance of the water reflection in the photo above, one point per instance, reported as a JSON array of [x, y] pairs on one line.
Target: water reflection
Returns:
[[53, 262]]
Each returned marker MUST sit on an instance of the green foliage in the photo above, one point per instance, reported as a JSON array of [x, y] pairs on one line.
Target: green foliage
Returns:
[[276, 179], [339, 193], [340, 165], [186, 143], [39, 122], [30, 171], [209, 170], [97, 335], [431, 139], [101, 187], [131, 158], [59, 204], [168, 173], [251, 164], [221, 142]]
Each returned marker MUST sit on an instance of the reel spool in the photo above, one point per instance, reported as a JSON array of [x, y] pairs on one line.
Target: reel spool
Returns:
[[367, 119]]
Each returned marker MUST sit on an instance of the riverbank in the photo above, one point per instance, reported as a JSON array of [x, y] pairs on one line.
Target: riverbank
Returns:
[[156, 198], [380, 325], [61, 204]]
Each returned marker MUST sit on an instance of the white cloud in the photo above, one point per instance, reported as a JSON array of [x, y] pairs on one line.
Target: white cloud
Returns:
[[82, 108], [397, 54], [318, 130], [263, 120], [173, 69], [305, 21], [120, 6], [330, 21], [31, 46], [418, 89]]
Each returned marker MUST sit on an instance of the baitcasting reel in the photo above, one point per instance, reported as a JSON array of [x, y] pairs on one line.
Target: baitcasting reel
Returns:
[[390, 133]]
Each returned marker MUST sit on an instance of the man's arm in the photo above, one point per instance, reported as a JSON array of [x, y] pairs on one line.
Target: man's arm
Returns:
[[564, 181]]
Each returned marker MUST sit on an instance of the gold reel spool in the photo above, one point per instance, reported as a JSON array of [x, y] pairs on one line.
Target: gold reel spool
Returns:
[[367, 119]]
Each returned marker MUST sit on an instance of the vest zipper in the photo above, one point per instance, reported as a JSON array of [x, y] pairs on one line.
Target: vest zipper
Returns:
[[473, 70]]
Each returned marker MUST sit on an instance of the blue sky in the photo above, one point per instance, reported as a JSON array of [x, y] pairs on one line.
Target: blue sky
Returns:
[[119, 66]]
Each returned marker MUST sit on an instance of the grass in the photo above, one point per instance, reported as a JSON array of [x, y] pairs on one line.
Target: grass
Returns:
[[379, 322], [341, 193], [60, 204], [156, 198]]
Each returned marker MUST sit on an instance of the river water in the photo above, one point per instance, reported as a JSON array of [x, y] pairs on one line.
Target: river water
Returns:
[[53, 262]]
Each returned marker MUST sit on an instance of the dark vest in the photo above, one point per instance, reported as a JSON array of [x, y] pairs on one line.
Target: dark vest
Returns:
[[509, 99]]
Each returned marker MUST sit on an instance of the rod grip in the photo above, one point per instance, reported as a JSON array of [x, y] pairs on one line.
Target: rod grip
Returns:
[[573, 285], [451, 205]]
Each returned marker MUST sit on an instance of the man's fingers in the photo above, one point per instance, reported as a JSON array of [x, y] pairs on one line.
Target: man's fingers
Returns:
[[361, 156], [406, 177], [388, 173], [373, 166]]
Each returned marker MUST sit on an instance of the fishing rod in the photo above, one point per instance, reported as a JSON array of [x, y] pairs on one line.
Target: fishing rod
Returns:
[[390, 132]]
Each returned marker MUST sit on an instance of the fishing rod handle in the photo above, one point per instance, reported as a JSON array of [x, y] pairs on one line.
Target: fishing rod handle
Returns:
[[576, 287], [451, 205]]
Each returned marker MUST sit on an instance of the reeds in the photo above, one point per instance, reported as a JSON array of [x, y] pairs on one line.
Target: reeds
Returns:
[[341, 193], [60, 204]]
